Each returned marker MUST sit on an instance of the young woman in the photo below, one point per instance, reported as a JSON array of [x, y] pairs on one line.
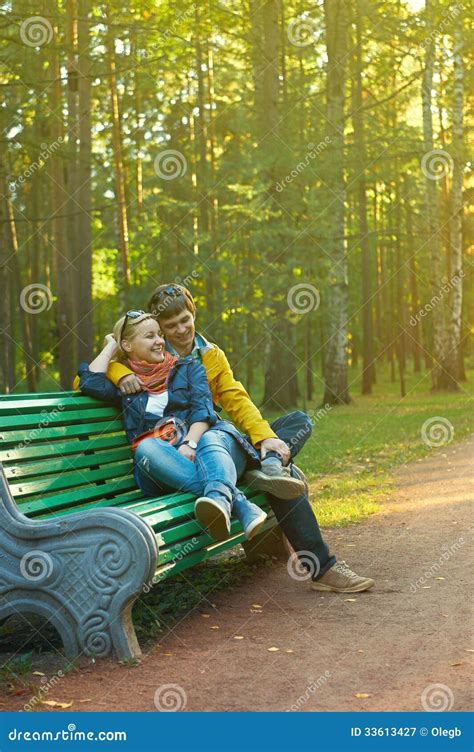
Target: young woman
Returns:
[[167, 424]]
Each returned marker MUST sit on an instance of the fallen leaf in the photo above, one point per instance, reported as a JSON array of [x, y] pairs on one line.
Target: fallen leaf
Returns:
[[426, 587], [350, 600], [440, 578], [289, 651], [168, 653], [459, 663], [54, 704], [88, 700], [361, 651], [206, 616], [19, 692], [214, 626], [469, 650], [238, 637], [273, 650], [38, 673], [256, 611], [256, 605], [362, 695]]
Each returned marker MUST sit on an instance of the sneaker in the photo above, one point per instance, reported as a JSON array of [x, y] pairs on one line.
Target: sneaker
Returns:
[[341, 579], [279, 483], [250, 516], [213, 514]]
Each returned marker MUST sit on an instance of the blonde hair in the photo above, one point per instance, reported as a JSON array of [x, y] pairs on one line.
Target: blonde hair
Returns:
[[129, 332]]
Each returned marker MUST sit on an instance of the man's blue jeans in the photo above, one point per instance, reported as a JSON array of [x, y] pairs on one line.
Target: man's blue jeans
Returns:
[[296, 517], [220, 460]]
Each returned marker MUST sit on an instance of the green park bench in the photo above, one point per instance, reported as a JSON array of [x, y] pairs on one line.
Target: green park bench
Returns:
[[78, 541]]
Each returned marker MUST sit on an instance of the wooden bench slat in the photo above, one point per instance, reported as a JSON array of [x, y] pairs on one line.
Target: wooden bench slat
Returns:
[[60, 417], [122, 499], [63, 464], [72, 498], [62, 448], [71, 480], [21, 405], [43, 434]]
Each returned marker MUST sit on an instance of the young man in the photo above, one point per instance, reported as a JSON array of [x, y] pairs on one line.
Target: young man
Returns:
[[174, 307]]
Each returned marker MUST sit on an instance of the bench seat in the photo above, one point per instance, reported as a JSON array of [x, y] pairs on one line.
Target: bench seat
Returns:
[[79, 541]]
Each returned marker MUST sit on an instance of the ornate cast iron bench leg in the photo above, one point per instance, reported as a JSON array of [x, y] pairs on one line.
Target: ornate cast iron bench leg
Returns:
[[81, 571]]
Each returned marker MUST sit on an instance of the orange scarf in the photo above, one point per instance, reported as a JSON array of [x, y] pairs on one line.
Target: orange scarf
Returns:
[[154, 376]]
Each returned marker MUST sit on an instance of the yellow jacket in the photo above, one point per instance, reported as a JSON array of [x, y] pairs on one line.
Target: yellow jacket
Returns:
[[225, 390]]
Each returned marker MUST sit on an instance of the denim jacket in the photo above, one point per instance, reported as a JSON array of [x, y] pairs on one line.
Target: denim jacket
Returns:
[[189, 397], [189, 400]]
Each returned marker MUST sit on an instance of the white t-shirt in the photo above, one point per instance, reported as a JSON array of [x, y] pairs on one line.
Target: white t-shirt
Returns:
[[156, 403]]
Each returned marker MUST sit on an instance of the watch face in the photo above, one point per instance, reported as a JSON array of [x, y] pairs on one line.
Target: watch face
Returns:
[[192, 444]]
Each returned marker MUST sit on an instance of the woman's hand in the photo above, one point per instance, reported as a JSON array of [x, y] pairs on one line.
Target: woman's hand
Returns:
[[109, 339], [130, 384], [187, 452]]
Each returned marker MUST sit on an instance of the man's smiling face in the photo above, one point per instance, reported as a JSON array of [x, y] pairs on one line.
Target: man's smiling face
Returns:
[[179, 331]]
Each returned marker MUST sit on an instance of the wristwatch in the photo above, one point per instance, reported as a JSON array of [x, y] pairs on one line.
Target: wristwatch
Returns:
[[191, 444]]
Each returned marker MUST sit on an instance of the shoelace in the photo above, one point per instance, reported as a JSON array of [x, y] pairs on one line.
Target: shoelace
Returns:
[[344, 569]]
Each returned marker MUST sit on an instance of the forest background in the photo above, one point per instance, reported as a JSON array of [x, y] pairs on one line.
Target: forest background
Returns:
[[302, 168]]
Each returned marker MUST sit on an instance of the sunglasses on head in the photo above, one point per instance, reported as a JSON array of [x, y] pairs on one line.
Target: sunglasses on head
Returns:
[[129, 315]]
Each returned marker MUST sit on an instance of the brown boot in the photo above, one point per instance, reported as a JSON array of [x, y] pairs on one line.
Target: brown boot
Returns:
[[341, 579]]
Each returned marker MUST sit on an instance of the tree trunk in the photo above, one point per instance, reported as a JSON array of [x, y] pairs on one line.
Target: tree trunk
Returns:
[[84, 261], [7, 350], [66, 339], [73, 205], [432, 210], [359, 145], [454, 351], [415, 318], [117, 146], [335, 372]]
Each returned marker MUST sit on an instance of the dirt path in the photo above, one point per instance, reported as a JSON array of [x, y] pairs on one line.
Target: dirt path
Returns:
[[390, 645]]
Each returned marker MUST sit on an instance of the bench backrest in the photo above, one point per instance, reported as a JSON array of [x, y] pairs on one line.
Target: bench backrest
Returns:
[[64, 450]]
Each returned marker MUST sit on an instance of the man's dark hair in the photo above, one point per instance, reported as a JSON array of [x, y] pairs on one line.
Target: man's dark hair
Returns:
[[170, 300]]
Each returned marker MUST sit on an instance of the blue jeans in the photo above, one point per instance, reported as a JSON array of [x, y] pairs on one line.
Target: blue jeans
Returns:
[[220, 460], [296, 517]]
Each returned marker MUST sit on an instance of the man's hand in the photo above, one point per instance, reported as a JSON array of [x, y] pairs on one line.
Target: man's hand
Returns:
[[275, 445], [130, 384], [187, 452]]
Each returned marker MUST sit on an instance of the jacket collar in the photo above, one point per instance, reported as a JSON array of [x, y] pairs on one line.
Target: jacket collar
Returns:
[[201, 345]]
